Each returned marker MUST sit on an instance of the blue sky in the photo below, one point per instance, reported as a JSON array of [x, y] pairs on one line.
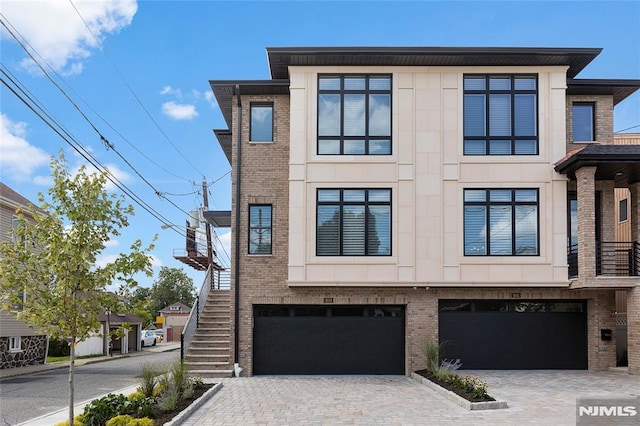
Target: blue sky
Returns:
[[147, 79]]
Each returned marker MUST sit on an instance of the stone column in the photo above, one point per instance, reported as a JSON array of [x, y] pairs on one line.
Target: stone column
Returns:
[[585, 177]]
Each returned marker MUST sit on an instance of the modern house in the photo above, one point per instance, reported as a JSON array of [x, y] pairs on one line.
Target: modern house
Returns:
[[387, 196], [20, 344]]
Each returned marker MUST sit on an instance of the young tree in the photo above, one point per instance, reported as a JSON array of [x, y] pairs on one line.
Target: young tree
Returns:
[[172, 285], [55, 260]]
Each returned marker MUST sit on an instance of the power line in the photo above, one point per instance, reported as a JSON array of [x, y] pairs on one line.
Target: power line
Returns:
[[133, 93], [103, 139], [35, 106], [628, 128]]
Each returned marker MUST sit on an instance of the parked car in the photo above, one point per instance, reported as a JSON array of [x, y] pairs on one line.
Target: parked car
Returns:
[[148, 338], [159, 335]]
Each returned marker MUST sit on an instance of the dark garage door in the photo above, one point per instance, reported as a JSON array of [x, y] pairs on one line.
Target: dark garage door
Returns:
[[499, 334], [328, 340]]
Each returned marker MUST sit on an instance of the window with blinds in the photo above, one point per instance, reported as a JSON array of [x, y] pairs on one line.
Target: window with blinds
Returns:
[[353, 222], [261, 122], [501, 222], [354, 115], [260, 229], [500, 114], [582, 126]]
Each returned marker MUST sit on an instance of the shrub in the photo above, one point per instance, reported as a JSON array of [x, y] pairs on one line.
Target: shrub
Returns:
[[58, 347], [432, 355], [168, 401], [148, 379], [100, 410], [141, 405], [129, 421], [77, 421], [197, 382], [179, 376], [187, 392]]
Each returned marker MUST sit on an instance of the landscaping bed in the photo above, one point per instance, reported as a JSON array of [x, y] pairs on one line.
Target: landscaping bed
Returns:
[[160, 417], [462, 392]]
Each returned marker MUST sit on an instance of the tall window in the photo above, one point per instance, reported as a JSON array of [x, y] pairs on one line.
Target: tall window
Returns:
[[501, 222], [260, 229], [261, 122], [500, 114], [623, 210], [582, 127], [353, 222], [354, 115]]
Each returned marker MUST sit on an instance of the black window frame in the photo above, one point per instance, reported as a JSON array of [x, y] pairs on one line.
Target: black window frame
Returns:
[[487, 138], [623, 213], [251, 228], [261, 104], [592, 105], [366, 203], [513, 203], [342, 92]]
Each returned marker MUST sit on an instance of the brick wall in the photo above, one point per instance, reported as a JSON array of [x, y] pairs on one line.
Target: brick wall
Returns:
[[603, 119]]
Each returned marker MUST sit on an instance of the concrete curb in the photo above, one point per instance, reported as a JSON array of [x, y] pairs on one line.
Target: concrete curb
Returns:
[[489, 405], [188, 412]]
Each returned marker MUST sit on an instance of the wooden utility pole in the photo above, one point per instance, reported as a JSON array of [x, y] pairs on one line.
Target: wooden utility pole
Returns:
[[207, 226]]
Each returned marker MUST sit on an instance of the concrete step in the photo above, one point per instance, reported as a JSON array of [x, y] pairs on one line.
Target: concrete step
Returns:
[[211, 374], [190, 359], [209, 351], [209, 343], [207, 365]]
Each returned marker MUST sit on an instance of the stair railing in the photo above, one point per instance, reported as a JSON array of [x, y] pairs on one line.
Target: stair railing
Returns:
[[193, 321]]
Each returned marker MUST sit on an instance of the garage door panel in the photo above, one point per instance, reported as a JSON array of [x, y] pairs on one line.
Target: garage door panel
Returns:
[[515, 340], [328, 345]]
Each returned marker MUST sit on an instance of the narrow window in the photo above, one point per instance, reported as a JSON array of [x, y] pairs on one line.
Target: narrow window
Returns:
[[261, 122], [354, 115], [501, 222], [623, 210], [500, 114], [353, 222], [583, 121], [260, 229], [15, 344]]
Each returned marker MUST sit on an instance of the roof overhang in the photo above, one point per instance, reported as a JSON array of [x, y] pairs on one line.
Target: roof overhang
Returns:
[[619, 89], [620, 163], [281, 58], [224, 139], [218, 218]]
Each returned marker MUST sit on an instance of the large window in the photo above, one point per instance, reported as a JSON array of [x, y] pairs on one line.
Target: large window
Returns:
[[260, 229], [500, 115], [582, 121], [261, 122], [501, 222], [354, 115], [353, 222]]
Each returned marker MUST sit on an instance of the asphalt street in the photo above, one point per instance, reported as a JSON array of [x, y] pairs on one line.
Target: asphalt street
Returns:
[[26, 397]]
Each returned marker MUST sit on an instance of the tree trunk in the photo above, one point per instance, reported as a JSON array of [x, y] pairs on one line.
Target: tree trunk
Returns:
[[72, 357]]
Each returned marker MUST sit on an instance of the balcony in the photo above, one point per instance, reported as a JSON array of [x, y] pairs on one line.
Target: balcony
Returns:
[[613, 259]]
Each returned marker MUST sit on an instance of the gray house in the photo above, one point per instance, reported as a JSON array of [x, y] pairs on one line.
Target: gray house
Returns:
[[20, 344]]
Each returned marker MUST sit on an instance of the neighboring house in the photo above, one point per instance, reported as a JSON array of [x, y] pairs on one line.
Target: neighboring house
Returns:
[[383, 197], [20, 344], [175, 317]]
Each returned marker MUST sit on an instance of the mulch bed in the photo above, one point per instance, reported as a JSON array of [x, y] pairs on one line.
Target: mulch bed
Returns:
[[162, 417], [460, 392]]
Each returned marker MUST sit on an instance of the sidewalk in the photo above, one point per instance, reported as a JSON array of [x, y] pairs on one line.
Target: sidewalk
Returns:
[[35, 369]]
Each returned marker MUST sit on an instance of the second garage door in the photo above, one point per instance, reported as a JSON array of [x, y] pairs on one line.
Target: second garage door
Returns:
[[501, 334], [328, 340]]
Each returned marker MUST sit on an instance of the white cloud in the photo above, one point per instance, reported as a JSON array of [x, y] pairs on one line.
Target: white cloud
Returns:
[[18, 158], [179, 111], [111, 243], [114, 170], [156, 262], [56, 32], [211, 99], [168, 90]]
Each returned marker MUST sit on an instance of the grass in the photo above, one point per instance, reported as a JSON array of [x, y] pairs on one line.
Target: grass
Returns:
[[51, 359]]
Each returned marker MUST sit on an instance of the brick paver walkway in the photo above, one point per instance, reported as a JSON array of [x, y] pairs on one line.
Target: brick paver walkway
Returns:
[[535, 398]]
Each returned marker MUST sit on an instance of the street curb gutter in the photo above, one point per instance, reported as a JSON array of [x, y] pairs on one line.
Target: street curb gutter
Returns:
[[187, 412], [489, 405]]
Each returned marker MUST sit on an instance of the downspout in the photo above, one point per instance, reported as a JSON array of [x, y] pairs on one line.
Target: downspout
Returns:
[[236, 313]]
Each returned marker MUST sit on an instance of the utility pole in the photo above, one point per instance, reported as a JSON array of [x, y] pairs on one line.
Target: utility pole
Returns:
[[207, 226]]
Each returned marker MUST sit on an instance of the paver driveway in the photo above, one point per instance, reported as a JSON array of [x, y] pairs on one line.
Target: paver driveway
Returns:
[[535, 398]]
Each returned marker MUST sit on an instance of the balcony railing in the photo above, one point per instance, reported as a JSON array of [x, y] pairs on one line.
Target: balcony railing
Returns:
[[613, 259]]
